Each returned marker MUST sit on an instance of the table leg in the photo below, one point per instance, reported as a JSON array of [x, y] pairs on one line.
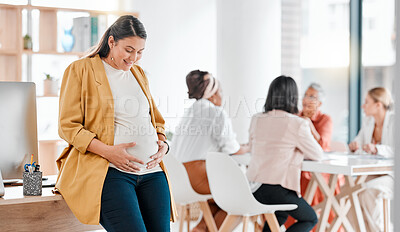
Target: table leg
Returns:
[[311, 189], [329, 198], [338, 221], [330, 202], [353, 197]]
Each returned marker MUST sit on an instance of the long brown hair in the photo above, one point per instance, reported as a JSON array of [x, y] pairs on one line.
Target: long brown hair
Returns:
[[125, 26]]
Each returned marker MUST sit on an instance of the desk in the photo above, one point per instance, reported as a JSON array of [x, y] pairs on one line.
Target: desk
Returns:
[[356, 169], [48, 212]]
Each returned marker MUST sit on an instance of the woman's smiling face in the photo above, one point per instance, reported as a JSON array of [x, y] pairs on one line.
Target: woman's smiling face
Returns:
[[126, 51]]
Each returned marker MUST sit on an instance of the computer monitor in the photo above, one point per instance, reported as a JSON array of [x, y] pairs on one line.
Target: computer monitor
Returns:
[[18, 128]]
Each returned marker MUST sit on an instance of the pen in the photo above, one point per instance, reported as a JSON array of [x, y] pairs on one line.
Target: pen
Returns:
[[31, 159]]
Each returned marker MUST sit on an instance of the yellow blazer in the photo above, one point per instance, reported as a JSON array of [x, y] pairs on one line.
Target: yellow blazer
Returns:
[[87, 112]]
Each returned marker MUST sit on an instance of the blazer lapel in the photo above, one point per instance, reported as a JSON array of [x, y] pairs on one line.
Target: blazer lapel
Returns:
[[385, 129], [98, 70], [105, 94], [369, 131]]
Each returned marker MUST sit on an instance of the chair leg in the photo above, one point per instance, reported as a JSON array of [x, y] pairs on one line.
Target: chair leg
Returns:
[[254, 220], [182, 212], [230, 222], [208, 217], [386, 215], [188, 217], [245, 223], [272, 222]]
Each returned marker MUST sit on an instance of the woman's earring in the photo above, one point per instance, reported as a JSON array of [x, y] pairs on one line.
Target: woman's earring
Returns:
[[112, 58]]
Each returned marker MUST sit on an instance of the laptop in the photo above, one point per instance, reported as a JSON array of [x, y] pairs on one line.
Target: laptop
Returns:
[[49, 181]]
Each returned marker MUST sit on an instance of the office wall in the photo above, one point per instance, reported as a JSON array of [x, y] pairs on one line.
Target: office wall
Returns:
[[181, 38], [237, 41], [249, 56]]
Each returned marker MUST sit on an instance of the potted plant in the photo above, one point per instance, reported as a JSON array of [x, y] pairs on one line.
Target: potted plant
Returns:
[[27, 42], [50, 85]]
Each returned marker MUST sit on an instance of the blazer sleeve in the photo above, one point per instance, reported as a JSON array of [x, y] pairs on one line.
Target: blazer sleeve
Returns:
[[384, 150], [307, 144], [359, 137], [71, 112], [160, 122], [387, 147], [361, 133]]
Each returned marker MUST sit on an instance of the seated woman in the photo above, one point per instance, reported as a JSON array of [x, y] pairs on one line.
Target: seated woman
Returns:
[[321, 129], [321, 124], [376, 137], [279, 142], [205, 127], [376, 133]]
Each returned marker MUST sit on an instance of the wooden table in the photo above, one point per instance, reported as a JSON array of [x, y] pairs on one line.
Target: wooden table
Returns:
[[356, 169], [48, 212]]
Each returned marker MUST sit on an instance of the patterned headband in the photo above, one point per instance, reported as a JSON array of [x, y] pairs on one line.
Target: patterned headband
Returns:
[[211, 89]]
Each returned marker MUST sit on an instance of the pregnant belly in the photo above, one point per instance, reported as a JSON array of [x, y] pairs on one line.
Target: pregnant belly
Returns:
[[145, 147]]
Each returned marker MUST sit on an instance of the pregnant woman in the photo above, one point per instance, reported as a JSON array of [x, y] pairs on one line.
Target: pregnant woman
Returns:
[[112, 170]]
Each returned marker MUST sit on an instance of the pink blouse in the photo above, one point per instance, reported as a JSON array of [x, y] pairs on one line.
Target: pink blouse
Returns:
[[279, 143]]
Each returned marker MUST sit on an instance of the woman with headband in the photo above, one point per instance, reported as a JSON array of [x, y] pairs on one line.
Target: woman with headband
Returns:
[[205, 127]]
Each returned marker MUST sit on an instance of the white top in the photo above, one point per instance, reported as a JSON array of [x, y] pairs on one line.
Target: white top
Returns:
[[203, 128], [132, 120], [386, 147]]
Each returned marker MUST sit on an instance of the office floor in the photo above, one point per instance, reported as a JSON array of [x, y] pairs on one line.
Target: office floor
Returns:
[[175, 227]]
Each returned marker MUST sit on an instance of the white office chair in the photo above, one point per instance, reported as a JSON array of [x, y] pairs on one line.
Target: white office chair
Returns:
[[184, 194], [231, 191]]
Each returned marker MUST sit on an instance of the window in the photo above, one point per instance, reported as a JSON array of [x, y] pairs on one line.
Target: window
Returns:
[[378, 44], [325, 56]]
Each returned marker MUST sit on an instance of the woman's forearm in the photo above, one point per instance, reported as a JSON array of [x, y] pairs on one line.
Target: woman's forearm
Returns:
[[244, 148], [99, 148], [315, 133]]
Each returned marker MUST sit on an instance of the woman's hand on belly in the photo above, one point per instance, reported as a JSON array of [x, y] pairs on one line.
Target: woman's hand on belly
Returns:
[[118, 156], [156, 158]]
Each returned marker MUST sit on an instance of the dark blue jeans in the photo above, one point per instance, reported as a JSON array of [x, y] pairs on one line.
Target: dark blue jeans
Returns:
[[276, 194], [135, 202]]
